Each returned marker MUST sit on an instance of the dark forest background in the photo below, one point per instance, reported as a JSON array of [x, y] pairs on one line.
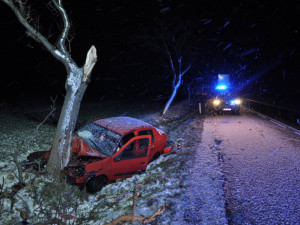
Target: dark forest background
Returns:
[[256, 42]]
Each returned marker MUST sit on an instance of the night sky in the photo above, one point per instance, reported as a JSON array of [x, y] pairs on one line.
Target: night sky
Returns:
[[256, 42]]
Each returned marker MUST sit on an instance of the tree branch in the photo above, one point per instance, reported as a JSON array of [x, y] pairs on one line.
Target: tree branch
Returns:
[[179, 63], [186, 70], [171, 63], [64, 35], [90, 62], [180, 76], [158, 212], [62, 55]]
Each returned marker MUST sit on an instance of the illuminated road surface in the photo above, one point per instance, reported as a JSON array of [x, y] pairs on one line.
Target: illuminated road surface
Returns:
[[261, 164]]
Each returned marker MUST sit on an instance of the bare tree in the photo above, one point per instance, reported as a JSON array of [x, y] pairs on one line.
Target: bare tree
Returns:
[[172, 43], [177, 73], [76, 82]]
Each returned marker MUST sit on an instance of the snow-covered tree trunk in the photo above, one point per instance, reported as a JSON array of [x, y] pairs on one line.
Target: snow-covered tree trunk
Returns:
[[75, 86], [167, 105], [177, 79], [76, 83]]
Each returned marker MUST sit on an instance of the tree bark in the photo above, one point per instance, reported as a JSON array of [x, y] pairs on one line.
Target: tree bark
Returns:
[[61, 149], [169, 102], [75, 86]]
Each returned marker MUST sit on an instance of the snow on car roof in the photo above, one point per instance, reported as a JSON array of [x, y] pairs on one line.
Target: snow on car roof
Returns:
[[122, 124]]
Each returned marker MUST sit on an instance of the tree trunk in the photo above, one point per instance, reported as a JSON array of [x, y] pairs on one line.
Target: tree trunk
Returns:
[[62, 149], [169, 101], [76, 84]]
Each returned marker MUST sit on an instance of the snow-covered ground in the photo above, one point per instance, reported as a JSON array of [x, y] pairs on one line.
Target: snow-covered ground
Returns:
[[165, 183], [204, 197]]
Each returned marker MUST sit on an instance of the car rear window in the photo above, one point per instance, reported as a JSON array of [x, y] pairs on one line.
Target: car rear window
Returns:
[[147, 132]]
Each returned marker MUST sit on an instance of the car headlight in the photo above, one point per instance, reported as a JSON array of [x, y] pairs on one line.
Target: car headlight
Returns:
[[216, 102], [237, 101]]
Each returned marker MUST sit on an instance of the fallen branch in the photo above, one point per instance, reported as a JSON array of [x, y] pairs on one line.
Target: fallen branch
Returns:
[[136, 219], [132, 218], [158, 212], [127, 218]]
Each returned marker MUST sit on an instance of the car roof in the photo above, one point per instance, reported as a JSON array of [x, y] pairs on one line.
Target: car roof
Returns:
[[123, 124]]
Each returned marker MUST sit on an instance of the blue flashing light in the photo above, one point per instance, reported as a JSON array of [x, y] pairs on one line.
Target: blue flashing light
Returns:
[[221, 87], [232, 102]]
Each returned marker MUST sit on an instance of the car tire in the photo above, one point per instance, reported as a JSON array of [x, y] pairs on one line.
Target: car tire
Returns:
[[96, 184]]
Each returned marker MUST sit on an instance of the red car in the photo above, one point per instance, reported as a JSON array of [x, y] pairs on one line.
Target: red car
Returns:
[[107, 149]]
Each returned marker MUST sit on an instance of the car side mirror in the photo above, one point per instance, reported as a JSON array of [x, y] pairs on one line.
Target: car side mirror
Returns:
[[117, 158]]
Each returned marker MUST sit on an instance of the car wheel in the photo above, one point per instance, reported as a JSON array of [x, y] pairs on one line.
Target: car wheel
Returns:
[[96, 184]]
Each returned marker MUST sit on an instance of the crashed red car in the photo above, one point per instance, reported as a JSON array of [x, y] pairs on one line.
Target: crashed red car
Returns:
[[108, 149]]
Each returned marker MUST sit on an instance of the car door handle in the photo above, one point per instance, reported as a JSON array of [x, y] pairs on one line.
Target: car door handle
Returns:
[[143, 163]]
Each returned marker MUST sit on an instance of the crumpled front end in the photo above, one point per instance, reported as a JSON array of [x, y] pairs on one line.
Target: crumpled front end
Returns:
[[76, 174], [84, 162]]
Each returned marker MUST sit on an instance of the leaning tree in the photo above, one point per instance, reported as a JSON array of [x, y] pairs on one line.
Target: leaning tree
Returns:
[[76, 82], [177, 71]]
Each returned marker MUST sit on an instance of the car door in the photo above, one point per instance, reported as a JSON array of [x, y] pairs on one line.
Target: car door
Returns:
[[133, 157]]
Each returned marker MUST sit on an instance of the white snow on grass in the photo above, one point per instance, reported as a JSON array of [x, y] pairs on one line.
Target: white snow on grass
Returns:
[[163, 183]]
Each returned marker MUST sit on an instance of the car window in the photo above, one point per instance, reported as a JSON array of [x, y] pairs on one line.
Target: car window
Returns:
[[143, 147], [127, 153], [137, 149], [125, 139], [147, 132]]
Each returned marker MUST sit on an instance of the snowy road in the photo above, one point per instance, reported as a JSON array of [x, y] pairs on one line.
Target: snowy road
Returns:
[[261, 165]]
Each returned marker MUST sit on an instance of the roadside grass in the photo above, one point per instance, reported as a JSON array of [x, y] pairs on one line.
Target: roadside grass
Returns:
[[43, 200]]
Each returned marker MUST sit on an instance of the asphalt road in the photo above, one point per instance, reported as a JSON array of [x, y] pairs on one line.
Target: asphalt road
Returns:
[[261, 165]]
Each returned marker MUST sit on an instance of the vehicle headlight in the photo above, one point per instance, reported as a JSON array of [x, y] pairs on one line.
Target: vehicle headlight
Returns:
[[216, 102], [237, 101]]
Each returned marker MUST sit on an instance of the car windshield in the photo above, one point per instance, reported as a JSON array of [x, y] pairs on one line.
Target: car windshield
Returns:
[[100, 138]]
